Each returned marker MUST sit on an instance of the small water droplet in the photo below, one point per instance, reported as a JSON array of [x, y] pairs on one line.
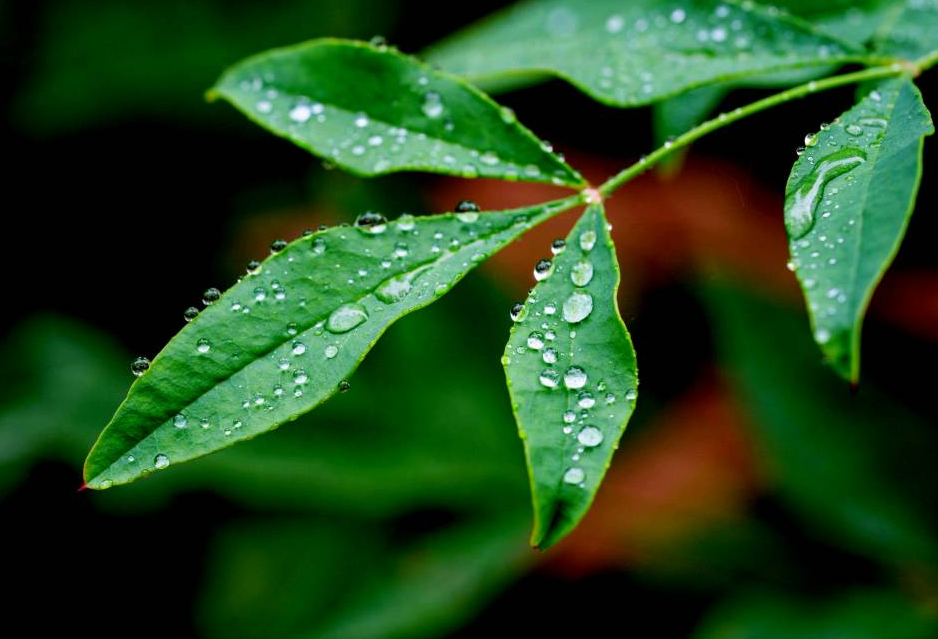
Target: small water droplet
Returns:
[[542, 270], [319, 246], [575, 377], [536, 340], [587, 240], [549, 378], [557, 246], [190, 313], [586, 400], [516, 311], [344, 386], [300, 376], [298, 348], [203, 346], [569, 416], [581, 273], [180, 421], [631, 395], [371, 222], [574, 476], [549, 356], [432, 106], [210, 296], [331, 351], [139, 366], [406, 222], [161, 461]]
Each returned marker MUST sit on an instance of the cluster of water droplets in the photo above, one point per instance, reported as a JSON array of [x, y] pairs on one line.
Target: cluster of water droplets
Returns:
[[549, 325], [391, 262], [821, 209], [669, 39], [370, 142]]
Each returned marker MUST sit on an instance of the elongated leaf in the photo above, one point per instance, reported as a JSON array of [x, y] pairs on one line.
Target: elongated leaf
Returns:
[[572, 377], [372, 110], [281, 341], [634, 53], [847, 205], [908, 28], [858, 470]]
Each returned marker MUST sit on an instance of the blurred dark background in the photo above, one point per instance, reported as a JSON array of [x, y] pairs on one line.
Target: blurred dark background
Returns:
[[752, 495]]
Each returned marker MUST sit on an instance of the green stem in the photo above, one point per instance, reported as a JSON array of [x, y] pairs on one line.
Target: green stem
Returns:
[[724, 119], [927, 62]]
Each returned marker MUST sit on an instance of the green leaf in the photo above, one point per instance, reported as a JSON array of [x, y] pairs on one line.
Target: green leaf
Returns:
[[861, 614], [372, 110], [635, 53], [847, 205], [858, 470], [907, 29], [572, 376], [348, 581], [283, 340]]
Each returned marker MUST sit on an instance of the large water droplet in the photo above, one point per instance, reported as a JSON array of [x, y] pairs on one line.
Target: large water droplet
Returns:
[[575, 377], [191, 313], [590, 436], [801, 205], [210, 296], [581, 273], [578, 306], [346, 317]]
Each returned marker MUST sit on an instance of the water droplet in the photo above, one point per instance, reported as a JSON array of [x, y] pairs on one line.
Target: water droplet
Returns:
[[406, 222], [298, 348], [542, 269], [371, 222], [361, 120], [575, 377], [253, 267], [204, 424], [569, 416], [191, 313], [581, 273], [264, 106], [396, 288], [210, 296], [467, 206], [260, 294], [300, 113], [319, 246], [587, 240], [344, 386], [432, 104], [549, 378], [516, 310], [854, 129], [161, 461], [300, 376], [549, 356], [801, 205], [631, 395], [346, 317], [278, 245], [331, 351], [585, 400], [180, 421], [578, 306], [489, 158], [574, 476], [614, 23], [203, 346], [557, 246], [536, 341], [590, 436], [678, 15]]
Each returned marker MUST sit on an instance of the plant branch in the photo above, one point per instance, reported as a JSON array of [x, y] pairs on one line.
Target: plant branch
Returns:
[[724, 119]]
